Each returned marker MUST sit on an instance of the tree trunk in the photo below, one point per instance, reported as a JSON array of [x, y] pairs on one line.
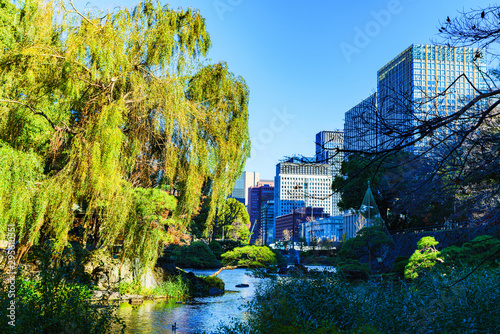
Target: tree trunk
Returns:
[[224, 268]]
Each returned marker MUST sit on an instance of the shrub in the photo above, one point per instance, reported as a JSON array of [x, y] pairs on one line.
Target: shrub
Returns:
[[431, 304], [472, 252], [400, 264], [229, 245], [217, 249], [424, 257], [368, 243], [249, 256], [52, 304], [215, 282], [195, 255], [353, 270]]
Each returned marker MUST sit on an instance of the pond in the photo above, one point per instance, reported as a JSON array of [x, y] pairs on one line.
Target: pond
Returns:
[[205, 315]]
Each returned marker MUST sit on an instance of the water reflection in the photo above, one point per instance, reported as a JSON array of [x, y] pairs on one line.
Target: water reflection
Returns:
[[206, 316], [158, 316]]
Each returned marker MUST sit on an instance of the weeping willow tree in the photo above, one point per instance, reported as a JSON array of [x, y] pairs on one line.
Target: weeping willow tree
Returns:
[[114, 115]]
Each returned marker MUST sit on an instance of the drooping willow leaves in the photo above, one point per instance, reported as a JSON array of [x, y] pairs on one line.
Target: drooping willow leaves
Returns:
[[96, 107]]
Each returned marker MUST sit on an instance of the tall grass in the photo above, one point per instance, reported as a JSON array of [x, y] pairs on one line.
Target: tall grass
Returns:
[[429, 304], [176, 287]]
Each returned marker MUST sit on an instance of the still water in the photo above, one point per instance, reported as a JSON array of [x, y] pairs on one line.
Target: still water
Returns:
[[158, 316]]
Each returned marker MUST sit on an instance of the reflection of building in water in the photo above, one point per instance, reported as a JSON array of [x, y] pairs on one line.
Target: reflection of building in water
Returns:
[[323, 229]]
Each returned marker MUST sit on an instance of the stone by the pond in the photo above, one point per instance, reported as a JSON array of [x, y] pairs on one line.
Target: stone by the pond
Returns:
[[215, 292], [105, 295], [135, 301], [242, 285]]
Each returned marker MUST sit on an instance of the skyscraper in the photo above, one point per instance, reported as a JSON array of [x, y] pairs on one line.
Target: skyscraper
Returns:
[[327, 143], [360, 126], [423, 82], [256, 196], [267, 222], [243, 182], [409, 87], [302, 182]]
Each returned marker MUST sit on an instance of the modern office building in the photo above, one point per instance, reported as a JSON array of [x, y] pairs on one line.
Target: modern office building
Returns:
[[299, 216], [302, 182], [264, 182], [321, 229], [327, 143], [257, 195], [267, 222], [361, 126], [408, 93], [243, 182], [409, 87]]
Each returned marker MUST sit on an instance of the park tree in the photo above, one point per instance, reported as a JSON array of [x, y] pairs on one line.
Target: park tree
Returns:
[[397, 187], [424, 257], [234, 219], [117, 116], [370, 242], [461, 145]]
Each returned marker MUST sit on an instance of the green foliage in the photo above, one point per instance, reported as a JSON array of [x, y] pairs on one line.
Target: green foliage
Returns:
[[424, 257], [472, 253], [229, 245], [280, 259], [215, 282], [175, 287], [394, 179], [217, 249], [20, 172], [369, 241], [250, 256], [195, 255], [99, 111], [148, 231], [353, 270], [400, 264], [429, 305], [51, 304], [235, 219]]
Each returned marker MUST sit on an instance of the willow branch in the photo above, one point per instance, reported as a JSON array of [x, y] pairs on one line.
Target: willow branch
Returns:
[[35, 112]]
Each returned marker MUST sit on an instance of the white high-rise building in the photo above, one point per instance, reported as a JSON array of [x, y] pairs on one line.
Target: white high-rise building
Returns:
[[327, 143], [302, 182]]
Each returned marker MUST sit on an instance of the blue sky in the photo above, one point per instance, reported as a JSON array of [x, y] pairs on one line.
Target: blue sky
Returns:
[[308, 62]]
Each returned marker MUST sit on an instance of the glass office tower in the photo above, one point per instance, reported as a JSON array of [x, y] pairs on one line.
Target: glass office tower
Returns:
[[409, 90], [360, 126]]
